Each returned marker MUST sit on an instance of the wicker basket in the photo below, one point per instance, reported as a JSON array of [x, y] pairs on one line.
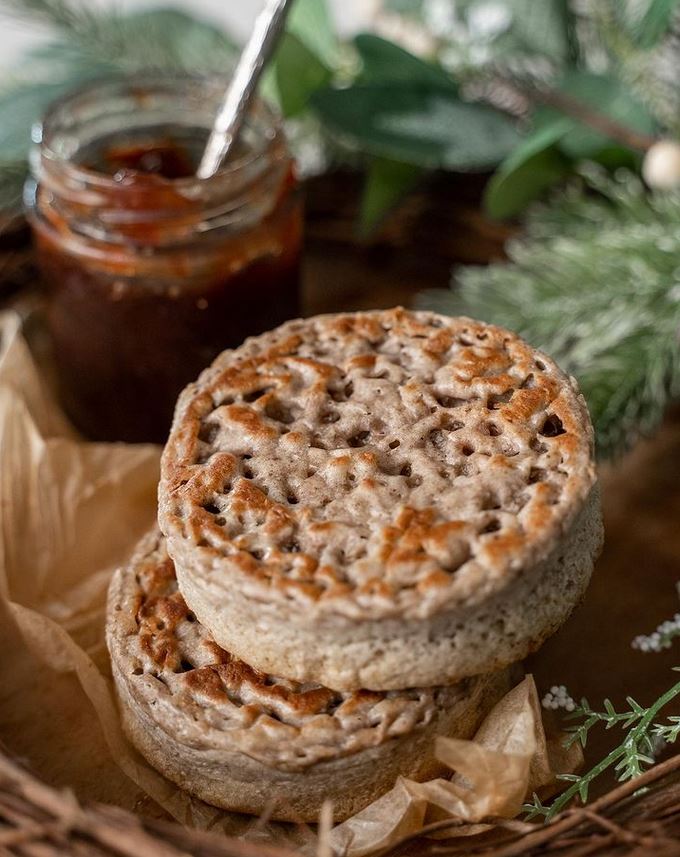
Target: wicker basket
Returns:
[[36, 819]]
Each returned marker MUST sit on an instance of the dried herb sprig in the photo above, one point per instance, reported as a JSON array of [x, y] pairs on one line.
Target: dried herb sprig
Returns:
[[629, 758]]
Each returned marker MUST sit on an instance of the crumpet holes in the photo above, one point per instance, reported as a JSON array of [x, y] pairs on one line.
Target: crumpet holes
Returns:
[[254, 395], [208, 432], [552, 427], [536, 474], [278, 412], [537, 446], [490, 501], [450, 401], [495, 400], [359, 439]]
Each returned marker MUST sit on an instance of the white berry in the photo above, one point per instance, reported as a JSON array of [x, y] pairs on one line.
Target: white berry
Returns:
[[661, 165]]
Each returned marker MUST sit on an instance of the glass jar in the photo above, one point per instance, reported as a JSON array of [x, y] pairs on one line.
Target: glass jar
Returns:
[[151, 272]]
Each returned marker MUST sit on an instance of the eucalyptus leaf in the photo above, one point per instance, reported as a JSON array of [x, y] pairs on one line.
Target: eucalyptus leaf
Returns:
[[298, 73], [535, 165], [655, 23], [387, 182], [610, 96], [311, 23], [384, 62], [417, 124]]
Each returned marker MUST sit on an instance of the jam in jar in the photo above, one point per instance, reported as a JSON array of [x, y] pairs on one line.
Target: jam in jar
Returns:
[[151, 272]]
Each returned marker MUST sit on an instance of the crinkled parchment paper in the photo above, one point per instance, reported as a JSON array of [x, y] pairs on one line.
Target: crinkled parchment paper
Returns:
[[71, 512]]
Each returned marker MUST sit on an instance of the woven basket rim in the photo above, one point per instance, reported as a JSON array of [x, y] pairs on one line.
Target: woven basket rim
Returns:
[[623, 821]]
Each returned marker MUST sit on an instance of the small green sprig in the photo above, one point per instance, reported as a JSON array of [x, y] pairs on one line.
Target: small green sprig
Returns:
[[629, 758]]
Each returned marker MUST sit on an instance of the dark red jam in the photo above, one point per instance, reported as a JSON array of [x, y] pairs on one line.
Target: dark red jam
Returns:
[[149, 285]]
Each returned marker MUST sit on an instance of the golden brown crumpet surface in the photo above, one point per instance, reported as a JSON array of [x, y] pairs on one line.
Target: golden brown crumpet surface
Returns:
[[204, 697], [377, 464]]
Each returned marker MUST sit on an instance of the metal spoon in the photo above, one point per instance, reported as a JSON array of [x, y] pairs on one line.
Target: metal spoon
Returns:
[[231, 115]]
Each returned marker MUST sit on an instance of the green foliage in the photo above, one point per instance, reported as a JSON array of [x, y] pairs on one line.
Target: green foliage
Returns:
[[557, 141], [612, 98], [305, 58], [19, 108], [88, 45], [654, 23], [385, 62], [594, 282], [533, 166], [384, 102], [311, 23], [386, 183], [428, 126], [542, 28], [298, 73], [598, 58], [629, 758], [157, 38]]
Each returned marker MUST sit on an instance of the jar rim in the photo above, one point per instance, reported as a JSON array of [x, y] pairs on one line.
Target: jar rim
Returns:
[[45, 129]]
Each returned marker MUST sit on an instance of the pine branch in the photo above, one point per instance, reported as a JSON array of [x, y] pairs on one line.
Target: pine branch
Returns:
[[165, 39], [595, 282], [57, 14]]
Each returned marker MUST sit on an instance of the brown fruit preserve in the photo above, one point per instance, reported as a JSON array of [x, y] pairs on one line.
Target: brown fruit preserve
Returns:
[[150, 272]]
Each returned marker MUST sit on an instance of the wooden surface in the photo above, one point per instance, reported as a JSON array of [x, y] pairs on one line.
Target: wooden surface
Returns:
[[634, 584]]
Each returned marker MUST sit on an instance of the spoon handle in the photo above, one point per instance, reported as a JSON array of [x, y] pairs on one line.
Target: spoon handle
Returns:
[[240, 92]]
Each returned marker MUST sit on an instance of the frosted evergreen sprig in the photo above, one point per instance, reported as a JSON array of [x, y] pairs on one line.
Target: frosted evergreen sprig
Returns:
[[629, 758], [594, 281]]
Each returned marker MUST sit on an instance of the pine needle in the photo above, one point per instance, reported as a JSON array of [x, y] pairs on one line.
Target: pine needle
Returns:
[[595, 282], [59, 14], [165, 39]]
